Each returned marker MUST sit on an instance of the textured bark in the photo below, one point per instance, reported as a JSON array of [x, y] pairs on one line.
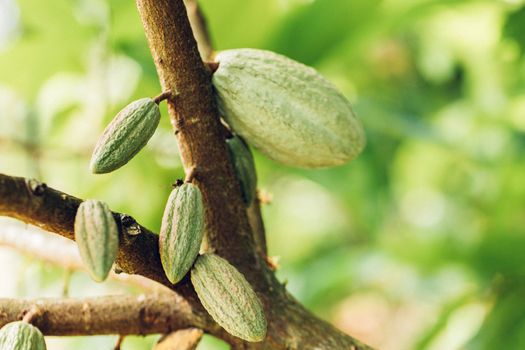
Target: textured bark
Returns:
[[196, 119], [156, 313]]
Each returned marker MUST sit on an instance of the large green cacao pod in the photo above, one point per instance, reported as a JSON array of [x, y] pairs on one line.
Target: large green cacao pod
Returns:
[[181, 231], [244, 167], [96, 234], [125, 136], [228, 297], [286, 110], [21, 336]]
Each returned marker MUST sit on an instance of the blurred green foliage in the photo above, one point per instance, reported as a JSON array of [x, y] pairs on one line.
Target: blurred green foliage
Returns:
[[418, 244]]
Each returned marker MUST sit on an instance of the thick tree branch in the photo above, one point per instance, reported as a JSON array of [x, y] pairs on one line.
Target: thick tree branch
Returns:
[[194, 115], [151, 314], [35, 203], [202, 36]]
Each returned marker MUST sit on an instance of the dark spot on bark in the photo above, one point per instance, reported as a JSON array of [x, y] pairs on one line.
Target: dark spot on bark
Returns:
[[129, 225], [36, 187]]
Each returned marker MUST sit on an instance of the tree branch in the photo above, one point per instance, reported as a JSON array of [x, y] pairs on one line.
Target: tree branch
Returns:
[[195, 116], [184, 339], [202, 36], [33, 202], [151, 314]]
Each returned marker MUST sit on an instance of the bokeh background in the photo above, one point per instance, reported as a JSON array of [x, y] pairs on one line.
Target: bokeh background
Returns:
[[418, 244]]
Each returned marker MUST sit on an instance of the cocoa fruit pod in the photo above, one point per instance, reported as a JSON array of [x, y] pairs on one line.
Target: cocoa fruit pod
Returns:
[[181, 231], [286, 110], [96, 234], [228, 298], [21, 335], [244, 167], [125, 136]]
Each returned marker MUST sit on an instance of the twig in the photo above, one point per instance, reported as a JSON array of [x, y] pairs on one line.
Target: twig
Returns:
[[163, 96], [119, 342], [184, 339], [199, 28]]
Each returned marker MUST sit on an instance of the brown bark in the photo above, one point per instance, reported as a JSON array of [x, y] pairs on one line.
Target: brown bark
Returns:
[[196, 119], [152, 314]]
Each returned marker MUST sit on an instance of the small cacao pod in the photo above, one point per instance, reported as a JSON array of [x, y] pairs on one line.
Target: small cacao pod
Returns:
[[244, 167], [125, 136], [96, 234], [228, 297], [286, 110], [181, 231], [21, 335]]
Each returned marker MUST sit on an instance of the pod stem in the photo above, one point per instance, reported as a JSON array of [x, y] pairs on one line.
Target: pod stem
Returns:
[[166, 95], [191, 174], [212, 66], [33, 312]]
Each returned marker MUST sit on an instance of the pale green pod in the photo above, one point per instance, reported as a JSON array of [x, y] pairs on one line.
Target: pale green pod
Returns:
[[286, 110], [96, 234], [125, 136], [244, 167], [228, 298], [181, 231], [21, 335]]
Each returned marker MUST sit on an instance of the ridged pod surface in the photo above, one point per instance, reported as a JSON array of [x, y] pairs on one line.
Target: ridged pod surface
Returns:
[[96, 234], [244, 167], [286, 110], [228, 298], [21, 336], [125, 136], [181, 231]]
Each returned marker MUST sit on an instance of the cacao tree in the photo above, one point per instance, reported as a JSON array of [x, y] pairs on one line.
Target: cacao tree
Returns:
[[414, 244], [233, 292]]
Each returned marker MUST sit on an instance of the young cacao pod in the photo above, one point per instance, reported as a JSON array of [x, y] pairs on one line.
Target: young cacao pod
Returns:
[[244, 167], [96, 234], [286, 110], [21, 335], [125, 136], [181, 231], [228, 298]]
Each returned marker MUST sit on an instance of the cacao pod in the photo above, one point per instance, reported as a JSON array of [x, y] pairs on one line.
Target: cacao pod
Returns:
[[244, 167], [286, 110], [181, 231], [228, 297], [96, 234], [125, 136], [20, 335]]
